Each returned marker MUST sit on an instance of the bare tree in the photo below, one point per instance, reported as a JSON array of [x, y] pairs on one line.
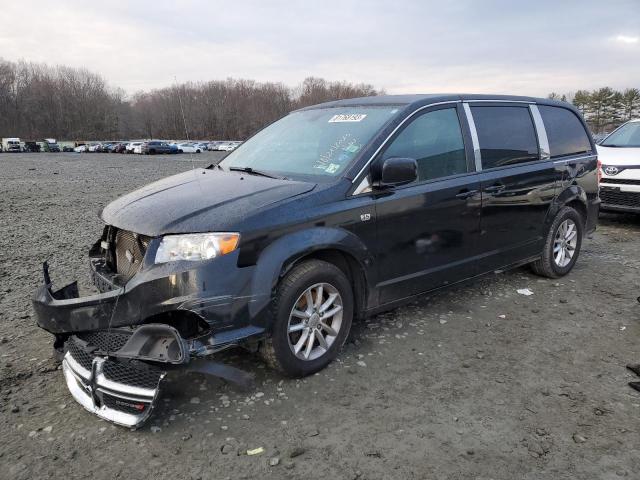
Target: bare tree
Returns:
[[37, 100]]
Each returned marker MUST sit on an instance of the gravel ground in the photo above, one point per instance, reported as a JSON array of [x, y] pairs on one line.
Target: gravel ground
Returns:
[[476, 382]]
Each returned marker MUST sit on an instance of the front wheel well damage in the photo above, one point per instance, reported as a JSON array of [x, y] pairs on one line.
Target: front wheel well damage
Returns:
[[347, 264]]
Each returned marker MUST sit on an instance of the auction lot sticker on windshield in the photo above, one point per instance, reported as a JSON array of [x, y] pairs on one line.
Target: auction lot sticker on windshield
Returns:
[[347, 117]]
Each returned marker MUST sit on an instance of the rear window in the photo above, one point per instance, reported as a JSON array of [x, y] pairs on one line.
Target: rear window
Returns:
[[565, 132], [506, 135]]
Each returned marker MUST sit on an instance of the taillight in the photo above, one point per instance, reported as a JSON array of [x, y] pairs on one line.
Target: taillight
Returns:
[[599, 171]]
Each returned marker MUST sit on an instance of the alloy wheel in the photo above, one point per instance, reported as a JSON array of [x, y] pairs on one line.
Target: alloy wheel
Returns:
[[315, 321], [565, 243]]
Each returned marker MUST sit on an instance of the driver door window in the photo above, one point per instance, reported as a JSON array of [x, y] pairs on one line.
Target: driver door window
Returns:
[[434, 140]]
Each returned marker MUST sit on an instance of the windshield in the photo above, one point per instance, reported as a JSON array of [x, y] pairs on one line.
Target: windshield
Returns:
[[319, 142], [628, 135]]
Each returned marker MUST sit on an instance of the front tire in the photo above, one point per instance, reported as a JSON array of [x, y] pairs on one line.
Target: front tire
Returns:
[[562, 245], [312, 313]]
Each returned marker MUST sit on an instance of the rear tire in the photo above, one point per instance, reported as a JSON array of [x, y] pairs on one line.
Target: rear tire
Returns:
[[562, 245], [311, 313]]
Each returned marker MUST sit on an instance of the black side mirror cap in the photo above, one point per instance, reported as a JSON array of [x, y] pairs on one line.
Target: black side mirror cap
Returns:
[[393, 172]]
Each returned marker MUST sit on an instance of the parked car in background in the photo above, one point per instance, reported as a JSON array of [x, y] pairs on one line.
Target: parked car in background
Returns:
[[188, 147], [11, 144], [31, 147], [50, 145], [619, 154], [95, 147], [81, 149], [281, 245], [131, 146], [155, 147], [67, 148], [226, 147], [119, 148], [106, 147]]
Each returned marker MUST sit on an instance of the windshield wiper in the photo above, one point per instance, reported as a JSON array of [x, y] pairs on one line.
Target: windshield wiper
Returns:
[[253, 171]]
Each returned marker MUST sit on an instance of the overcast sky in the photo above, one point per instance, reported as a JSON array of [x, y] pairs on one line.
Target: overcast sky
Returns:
[[496, 46]]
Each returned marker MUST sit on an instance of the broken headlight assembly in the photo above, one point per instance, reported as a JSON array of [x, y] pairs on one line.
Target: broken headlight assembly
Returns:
[[196, 246]]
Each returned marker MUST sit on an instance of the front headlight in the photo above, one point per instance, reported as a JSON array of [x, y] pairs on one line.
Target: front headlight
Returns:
[[196, 246]]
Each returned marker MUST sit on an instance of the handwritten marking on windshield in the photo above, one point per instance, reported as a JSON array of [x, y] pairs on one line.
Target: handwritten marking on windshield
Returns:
[[346, 143]]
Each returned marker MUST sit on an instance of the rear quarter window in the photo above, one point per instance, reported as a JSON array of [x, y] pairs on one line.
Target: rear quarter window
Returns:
[[565, 132], [506, 135]]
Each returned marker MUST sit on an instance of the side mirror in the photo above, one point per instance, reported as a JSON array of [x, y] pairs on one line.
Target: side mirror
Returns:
[[393, 172]]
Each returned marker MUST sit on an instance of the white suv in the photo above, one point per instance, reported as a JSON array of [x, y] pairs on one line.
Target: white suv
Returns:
[[619, 153]]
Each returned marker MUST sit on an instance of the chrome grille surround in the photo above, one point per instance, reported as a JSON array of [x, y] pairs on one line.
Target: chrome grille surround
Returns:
[[102, 392]]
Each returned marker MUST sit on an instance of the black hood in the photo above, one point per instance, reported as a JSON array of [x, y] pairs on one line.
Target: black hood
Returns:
[[200, 200]]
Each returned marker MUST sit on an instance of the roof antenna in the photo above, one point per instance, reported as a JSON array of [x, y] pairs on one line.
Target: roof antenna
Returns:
[[184, 120], [186, 132]]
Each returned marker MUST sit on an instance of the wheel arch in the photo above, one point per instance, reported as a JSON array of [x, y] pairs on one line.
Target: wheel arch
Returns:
[[347, 263], [573, 196], [333, 245]]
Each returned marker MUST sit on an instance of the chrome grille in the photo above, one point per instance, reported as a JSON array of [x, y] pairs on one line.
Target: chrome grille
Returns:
[[83, 358], [128, 375], [105, 341]]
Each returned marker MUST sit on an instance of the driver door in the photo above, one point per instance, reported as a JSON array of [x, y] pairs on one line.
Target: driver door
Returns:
[[428, 230]]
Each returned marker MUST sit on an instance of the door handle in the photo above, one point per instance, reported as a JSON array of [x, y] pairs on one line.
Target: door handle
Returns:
[[497, 188], [464, 194]]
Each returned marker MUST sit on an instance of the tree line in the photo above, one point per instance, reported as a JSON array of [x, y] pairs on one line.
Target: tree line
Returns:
[[38, 101], [605, 108]]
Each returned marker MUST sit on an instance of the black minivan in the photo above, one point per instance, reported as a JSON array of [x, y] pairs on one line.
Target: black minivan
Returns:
[[335, 212]]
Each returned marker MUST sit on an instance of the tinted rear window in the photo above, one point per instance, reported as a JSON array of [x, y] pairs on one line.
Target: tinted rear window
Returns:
[[565, 132], [506, 135]]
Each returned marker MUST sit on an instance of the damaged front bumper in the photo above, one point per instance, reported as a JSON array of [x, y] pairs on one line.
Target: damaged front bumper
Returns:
[[115, 356]]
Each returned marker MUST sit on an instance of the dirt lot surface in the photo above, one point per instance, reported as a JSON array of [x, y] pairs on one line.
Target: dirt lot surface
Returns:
[[476, 382]]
